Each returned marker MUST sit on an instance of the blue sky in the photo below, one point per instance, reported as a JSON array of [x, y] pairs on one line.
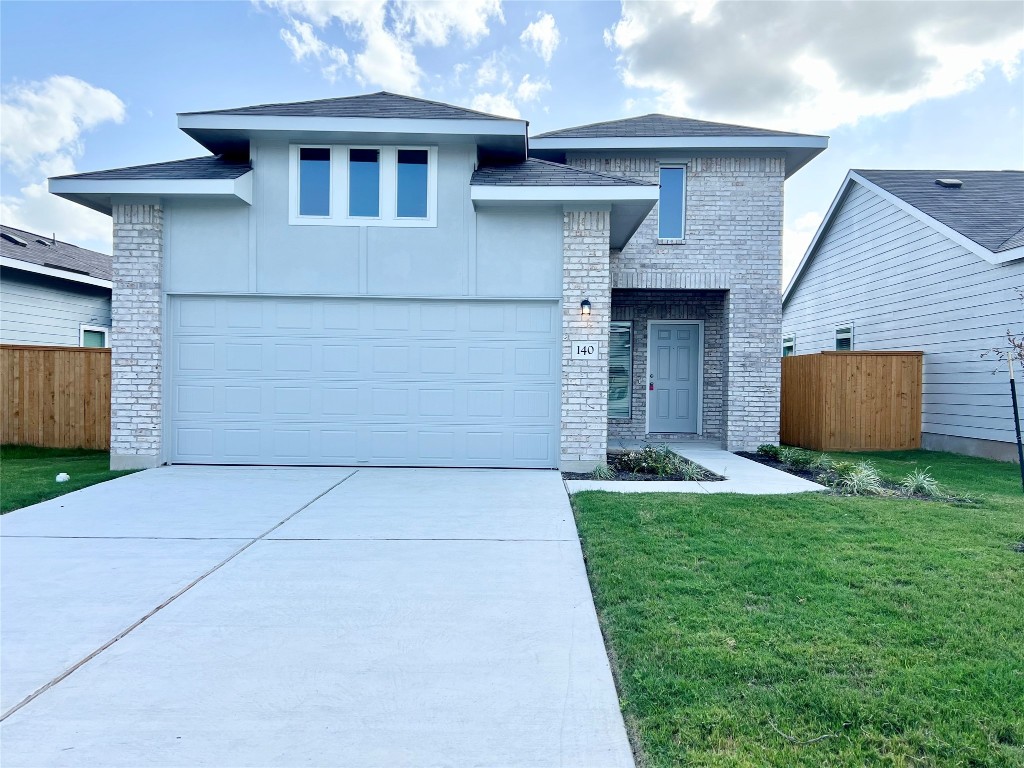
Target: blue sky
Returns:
[[895, 85]]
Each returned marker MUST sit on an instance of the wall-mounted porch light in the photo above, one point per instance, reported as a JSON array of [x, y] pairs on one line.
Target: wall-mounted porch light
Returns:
[[585, 307]]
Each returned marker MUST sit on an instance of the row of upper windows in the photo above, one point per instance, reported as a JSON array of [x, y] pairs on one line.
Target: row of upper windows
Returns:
[[844, 341], [404, 179], [371, 186]]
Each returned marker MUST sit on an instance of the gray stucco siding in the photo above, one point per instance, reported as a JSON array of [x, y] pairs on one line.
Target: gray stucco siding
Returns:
[[229, 247], [36, 309], [904, 286]]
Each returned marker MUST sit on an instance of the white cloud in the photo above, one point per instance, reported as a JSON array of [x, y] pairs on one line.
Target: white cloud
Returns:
[[493, 71], [795, 240], [435, 22], [43, 123], [495, 104], [303, 43], [542, 36], [530, 90], [387, 31], [811, 66]]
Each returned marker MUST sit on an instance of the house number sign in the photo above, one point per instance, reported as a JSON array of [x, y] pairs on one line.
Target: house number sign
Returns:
[[584, 350]]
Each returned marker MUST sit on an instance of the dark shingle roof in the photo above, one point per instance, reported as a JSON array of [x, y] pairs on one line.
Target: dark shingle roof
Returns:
[[988, 209], [656, 125], [209, 167], [57, 255], [380, 104], [541, 173]]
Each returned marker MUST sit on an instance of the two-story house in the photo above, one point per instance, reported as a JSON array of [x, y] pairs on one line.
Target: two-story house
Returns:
[[383, 280]]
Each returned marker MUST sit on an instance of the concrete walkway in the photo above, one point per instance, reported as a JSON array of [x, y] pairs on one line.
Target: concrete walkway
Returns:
[[250, 617], [742, 476]]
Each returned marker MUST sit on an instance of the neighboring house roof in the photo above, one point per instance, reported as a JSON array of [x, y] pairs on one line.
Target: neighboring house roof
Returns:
[[542, 173], [659, 133], [41, 254], [377, 105], [658, 125], [208, 167], [988, 208], [985, 215]]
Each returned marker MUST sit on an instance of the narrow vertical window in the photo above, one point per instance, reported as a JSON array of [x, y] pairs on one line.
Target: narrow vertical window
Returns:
[[314, 181], [412, 183], [620, 370], [788, 346], [672, 204], [364, 182]]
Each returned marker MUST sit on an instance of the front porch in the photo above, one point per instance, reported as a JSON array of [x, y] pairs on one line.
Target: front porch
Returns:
[[670, 391]]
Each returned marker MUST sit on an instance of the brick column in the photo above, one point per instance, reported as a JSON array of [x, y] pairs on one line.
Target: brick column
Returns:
[[585, 275], [754, 370], [136, 370]]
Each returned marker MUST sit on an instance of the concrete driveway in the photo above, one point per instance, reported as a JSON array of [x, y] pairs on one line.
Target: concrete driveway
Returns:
[[318, 617]]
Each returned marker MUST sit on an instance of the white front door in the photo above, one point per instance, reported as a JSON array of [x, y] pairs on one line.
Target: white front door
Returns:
[[673, 367], [262, 380]]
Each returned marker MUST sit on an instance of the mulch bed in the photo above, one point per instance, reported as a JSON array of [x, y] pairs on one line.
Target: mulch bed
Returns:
[[709, 476], [768, 461]]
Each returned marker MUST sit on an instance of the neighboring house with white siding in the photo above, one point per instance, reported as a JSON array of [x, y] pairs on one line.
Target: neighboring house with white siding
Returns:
[[922, 260], [52, 293]]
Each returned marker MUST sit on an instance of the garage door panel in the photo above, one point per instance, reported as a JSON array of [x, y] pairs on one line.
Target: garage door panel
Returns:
[[314, 381], [258, 357], [305, 443]]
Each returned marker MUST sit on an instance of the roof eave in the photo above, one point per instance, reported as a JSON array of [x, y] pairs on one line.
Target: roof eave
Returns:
[[60, 274], [99, 194], [628, 205], [504, 137], [798, 150]]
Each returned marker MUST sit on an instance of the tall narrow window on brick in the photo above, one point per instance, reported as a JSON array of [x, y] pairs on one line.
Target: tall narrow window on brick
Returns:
[[364, 182], [413, 165], [672, 204], [314, 181], [620, 370], [788, 345], [844, 339]]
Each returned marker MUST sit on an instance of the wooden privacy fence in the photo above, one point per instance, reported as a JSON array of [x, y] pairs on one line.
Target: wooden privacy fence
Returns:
[[852, 401], [56, 397]]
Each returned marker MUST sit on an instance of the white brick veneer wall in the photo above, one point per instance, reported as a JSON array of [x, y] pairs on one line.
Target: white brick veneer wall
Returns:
[[585, 275], [136, 390], [733, 242]]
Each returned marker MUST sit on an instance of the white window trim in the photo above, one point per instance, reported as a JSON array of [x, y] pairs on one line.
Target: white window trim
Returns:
[[847, 329], [628, 325], [388, 203], [700, 374], [791, 338], [686, 179], [105, 330]]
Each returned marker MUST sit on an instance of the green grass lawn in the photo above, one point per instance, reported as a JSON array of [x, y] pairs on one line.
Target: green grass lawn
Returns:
[[811, 630], [27, 473]]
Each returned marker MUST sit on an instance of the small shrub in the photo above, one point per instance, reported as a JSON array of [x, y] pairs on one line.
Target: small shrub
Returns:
[[920, 483], [603, 472], [862, 480], [842, 469], [660, 461], [822, 462], [769, 450], [797, 458]]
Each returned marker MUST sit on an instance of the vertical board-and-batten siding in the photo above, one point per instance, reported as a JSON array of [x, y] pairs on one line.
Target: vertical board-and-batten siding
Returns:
[[37, 309], [904, 286]]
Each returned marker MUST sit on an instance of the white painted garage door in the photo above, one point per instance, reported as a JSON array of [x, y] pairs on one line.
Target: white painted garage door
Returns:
[[361, 381]]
